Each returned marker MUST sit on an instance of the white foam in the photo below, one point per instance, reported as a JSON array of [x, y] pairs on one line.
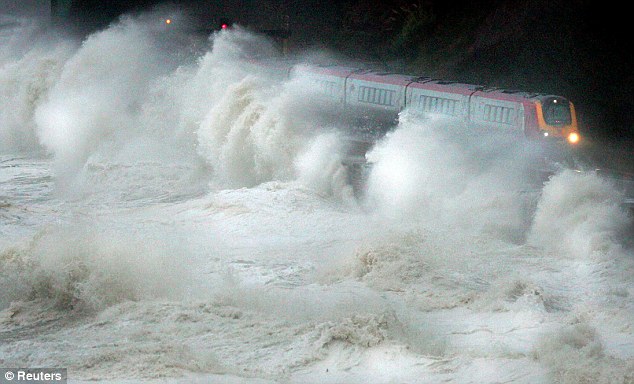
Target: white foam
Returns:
[[98, 94], [433, 170], [25, 81], [88, 268], [580, 215]]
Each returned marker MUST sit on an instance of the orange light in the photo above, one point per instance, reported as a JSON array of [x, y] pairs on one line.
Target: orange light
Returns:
[[573, 138], [168, 21]]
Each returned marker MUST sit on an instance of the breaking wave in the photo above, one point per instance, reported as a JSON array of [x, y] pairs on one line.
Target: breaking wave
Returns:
[[580, 215], [575, 354], [89, 269], [429, 170], [124, 96], [25, 80]]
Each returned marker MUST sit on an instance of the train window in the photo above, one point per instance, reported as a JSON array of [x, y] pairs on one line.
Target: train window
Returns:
[[327, 87], [491, 112], [557, 113], [376, 96], [388, 97], [496, 114], [437, 105]]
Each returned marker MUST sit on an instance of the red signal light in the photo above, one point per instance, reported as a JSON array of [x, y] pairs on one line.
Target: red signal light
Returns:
[[224, 26]]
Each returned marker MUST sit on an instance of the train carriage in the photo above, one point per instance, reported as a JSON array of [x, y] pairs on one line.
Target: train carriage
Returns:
[[329, 81], [449, 100], [498, 112], [377, 91]]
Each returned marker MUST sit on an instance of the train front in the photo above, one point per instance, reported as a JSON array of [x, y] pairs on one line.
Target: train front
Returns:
[[556, 119], [557, 126]]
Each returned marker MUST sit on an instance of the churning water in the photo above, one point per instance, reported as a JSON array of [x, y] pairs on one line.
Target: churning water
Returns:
[[170, 213]]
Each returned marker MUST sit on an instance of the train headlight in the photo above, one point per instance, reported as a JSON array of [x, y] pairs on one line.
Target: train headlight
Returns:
[[573, 138]]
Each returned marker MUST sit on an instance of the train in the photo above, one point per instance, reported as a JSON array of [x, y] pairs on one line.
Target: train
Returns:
[[544, 124], [531, 115], [535, 116]]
